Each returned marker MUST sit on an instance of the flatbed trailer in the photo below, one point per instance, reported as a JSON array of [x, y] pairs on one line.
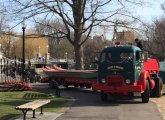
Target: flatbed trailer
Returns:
[[76, 78]]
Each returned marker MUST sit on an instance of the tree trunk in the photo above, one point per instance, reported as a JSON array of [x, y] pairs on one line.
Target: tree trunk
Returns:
[[78, 13], [79, 57], [78, 48]]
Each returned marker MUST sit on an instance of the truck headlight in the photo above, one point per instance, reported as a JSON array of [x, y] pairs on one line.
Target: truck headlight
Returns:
[[103, 80], [128, 81]]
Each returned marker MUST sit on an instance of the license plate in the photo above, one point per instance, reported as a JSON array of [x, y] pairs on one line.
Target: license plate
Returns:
[[137, 94]]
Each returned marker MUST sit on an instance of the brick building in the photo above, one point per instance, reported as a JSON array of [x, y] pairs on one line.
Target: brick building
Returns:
[[125, 37]]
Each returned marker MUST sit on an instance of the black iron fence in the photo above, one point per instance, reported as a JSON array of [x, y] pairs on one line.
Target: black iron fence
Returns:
[[11, 71]]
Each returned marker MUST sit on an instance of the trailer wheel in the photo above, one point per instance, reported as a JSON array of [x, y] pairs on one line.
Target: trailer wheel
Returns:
[[88, 85], [63, 83], [81, 85], [58, 91], [51, 84], [66, 85], [146, 95], [76, 85], [104, 97], [157, 91]]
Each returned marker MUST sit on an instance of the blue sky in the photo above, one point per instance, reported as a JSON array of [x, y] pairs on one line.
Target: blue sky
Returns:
[[147, 12], [151, 10]]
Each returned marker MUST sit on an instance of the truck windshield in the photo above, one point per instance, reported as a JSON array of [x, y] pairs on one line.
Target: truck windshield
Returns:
[[116, 56]]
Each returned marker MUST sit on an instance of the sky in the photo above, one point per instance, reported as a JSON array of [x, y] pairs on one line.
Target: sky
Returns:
[[147, 13], [151, 10]]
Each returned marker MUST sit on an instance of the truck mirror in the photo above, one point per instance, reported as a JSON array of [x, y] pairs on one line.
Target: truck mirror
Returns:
[[96, 59], [145, 56]]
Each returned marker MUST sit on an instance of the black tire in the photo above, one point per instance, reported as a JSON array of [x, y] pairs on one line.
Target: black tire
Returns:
[[81, 85], [66, 85], [146, 95], [58, 92], [88, 85], [160, 87], [104, 97], [76, 85], [157, 91], [51, 84]]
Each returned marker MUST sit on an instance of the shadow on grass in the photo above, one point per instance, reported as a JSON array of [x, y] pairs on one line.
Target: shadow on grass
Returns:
[[35, 95], [8, 117]]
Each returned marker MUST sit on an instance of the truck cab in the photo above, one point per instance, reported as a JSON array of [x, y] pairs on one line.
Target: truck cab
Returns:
[[122, 61], [123, 70]]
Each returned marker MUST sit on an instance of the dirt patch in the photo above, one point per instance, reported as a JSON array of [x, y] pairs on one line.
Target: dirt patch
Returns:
[[161, 105]]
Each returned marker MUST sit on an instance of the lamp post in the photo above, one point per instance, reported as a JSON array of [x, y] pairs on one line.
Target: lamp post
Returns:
[[1, 61], [39, 52], [66, 57], [47, 49], [46, 55], [23, 49]]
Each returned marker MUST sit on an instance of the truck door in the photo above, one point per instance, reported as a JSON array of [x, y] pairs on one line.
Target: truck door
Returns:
[[138, 65]]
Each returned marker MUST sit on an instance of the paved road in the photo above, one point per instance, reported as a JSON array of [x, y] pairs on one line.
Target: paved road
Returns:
[[89, 107]]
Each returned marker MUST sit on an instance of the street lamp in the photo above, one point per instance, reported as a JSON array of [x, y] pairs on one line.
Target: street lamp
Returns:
[[47, 48], [66, 57], [23, 49], [1, 61], [0, 51], [39, 52], [46, 54]]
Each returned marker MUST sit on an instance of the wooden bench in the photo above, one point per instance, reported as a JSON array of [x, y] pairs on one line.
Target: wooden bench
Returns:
[[32, 106]]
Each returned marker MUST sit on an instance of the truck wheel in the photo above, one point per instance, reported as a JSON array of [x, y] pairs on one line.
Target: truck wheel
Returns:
[[160, 87], [104, 97], [157, 91], [146, 95]]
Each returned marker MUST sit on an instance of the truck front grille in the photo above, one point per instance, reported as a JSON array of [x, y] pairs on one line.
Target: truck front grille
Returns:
[[115, 80]]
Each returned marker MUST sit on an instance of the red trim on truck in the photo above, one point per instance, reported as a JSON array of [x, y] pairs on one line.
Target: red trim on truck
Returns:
[[124, 89]]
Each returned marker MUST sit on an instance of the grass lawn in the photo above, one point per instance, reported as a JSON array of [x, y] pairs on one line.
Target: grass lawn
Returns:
[[9, 100]]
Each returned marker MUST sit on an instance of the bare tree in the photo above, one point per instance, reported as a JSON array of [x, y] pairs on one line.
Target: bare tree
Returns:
[[78, 17], [3, 20], [6, 44], [163, 6], [159, 37], [94, 48], [155, 38], [6, 40]]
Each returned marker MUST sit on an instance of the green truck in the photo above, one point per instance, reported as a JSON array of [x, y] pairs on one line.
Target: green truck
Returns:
[[124, 70]]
